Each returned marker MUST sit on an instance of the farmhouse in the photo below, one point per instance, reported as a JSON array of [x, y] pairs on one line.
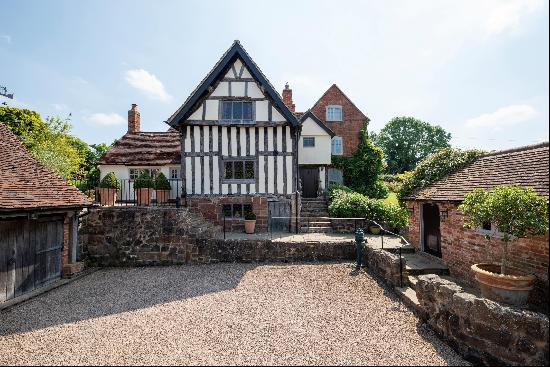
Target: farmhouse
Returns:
[[38, 221], [437, 228]]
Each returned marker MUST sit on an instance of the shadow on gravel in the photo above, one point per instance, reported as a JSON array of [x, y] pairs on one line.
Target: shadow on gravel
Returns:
[[113, 291]]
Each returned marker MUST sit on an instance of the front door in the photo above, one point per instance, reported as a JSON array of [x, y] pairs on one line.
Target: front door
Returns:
[[310, 181], [431, 233]]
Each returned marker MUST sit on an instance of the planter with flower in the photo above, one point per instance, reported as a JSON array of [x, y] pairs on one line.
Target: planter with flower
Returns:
[[108, 188], [162, 188], [249, 222], [516, 212], [143, 187]]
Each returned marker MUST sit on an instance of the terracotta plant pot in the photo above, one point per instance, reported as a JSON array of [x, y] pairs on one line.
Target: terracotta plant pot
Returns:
[[249, 226], [162, 196], [374, 229], [143, 196], [107, 196], [512, 288]]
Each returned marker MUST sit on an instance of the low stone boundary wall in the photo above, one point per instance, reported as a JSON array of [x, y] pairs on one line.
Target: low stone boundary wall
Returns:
[[385, 264], [483, 330]]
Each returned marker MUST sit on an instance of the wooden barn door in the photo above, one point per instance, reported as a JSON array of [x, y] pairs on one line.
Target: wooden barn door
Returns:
[[30, 254], [279, 209]]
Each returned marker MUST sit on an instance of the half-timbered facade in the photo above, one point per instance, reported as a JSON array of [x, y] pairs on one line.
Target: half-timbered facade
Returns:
[[238, 144]]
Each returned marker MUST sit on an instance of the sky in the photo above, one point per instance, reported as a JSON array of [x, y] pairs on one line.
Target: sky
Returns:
[[477, 68]]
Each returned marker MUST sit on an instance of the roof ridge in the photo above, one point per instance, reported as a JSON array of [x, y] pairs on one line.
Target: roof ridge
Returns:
[[515, 150]]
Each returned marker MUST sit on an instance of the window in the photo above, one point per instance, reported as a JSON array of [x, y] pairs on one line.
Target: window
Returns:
[[135, 172], [489, 229], [334, 113], [174, 173], [237, 111], [335, 176], [309, 141], [337, 145], [236, 210], [239, 170]]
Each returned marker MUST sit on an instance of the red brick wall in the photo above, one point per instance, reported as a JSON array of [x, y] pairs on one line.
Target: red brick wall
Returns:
[[462, 248], [211, 209], [353, 118]]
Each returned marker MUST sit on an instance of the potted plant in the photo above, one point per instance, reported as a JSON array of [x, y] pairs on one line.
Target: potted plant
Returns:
[[374, 229], [162, 188], [249, 222], [516, 212], [142, 187], [108, 189]]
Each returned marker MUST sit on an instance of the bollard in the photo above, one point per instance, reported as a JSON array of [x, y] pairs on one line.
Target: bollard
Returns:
[[359, 238]]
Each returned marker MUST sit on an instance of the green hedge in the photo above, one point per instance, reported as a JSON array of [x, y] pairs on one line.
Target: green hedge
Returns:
[[161, 182], [144, 181], [110, 181]]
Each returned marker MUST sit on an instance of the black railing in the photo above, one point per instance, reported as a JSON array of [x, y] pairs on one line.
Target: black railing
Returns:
[[127, 195]]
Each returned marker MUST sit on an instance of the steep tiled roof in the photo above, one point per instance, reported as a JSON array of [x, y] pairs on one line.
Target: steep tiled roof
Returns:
[[525, 166], [146, 149], [27, 184], [336, 88]]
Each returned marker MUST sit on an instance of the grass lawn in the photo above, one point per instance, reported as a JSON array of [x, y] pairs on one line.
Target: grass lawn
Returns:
[[391, 199]]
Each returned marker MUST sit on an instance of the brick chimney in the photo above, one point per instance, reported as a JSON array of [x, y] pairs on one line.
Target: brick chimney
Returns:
[[133, 119], [287, 98]]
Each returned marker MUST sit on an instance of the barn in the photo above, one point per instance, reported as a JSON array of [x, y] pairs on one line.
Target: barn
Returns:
[[38, 221]]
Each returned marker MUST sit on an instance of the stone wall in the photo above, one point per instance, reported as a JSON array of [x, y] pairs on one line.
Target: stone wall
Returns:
[[385, 264], [135, 236], [483, 330], [461, 248]]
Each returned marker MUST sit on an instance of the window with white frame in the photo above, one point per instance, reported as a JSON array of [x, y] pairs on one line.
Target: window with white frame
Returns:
[[337, 145], [334, 113], [135, 172], [174, 173], [309, 142]]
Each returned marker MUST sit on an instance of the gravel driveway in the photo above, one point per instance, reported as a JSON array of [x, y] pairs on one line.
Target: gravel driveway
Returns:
[[220, 314]]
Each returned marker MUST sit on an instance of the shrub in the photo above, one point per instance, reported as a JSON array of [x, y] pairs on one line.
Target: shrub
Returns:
[[249, 215], [334, 188], [435, 167], [144, 181], [395, 216], [161, 182], [515, 211], [110, 181], [393, 182]]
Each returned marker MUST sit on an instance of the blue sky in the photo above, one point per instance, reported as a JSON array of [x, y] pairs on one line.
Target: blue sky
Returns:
[[477, 68]]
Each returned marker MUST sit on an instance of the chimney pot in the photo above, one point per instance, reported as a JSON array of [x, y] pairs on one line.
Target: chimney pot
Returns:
[[287, 98], [133, 120]]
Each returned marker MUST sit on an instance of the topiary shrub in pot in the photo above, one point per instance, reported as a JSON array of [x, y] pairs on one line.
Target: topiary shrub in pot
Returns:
[[249, 222], [108, 189], [516, 212], [162, 188], [143, 187]]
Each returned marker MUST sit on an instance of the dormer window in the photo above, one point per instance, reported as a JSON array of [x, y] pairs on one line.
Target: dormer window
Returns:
[[334, 113], [240, 112]]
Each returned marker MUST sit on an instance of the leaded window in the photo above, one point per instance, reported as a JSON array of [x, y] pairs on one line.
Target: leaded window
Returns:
[[309, 142], [237, 111], [239, 170], [236, 211]]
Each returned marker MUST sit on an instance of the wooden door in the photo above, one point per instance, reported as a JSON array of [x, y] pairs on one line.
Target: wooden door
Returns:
[[431, 231], [281, 209], [310, 181], [48, 238]]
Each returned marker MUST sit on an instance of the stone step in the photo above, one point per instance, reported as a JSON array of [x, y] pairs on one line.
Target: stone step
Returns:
[[316, 229], [314, 215], [412, 279], [418, 264], [408, 295], [406, 249]]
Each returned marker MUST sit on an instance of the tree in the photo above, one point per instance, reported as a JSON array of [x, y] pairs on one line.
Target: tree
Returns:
[[406, 141], [363, 169]]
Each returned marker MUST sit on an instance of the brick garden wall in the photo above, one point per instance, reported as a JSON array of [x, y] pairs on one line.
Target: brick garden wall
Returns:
[[462, 248]]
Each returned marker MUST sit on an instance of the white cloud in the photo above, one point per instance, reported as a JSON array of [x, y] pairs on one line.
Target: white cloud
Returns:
[[506, 15], [105, 119], [147, 83], [505, 116], [5, 37], [60, 106]]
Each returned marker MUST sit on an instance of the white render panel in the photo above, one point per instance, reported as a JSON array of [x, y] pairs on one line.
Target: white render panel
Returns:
[[237, 65], [188, 176], [197, 137], [229, 74], [280, 175], [280, 138], [198, 189], [253, 90], [262, 108], [261, 175], [246, 73], [197, 115], [225, 141], [252, 189], [276, 115], [237, 89], [222, 90], [289, 177], [271, 174], [310, 127], [243, 141], [225, 189], [233, 141], [206, 143], [243, 189], [252, 133], [121, 172], [187, 143], [261, 139], [214, 138], [234, 188], [215, 175], [270, 139], [322, 178], [211, 109], [319, 154], [288, 139], [206, 188]]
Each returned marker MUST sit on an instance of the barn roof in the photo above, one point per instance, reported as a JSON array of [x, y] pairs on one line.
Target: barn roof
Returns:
[[525, 166], [145, 149], [27, 184]]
